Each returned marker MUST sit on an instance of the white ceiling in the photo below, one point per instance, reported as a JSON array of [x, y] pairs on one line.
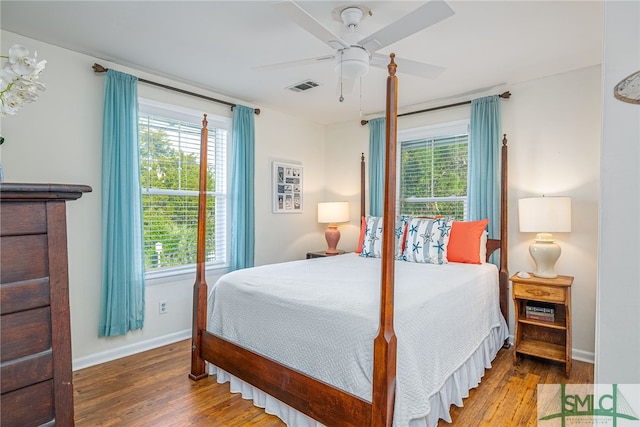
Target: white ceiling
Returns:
[[486, 45]]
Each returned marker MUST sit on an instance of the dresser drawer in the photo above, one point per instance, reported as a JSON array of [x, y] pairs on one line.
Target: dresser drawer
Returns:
[[29, 406], [25, 333], [25, 371], [23, 257], [539, 292], [23, 218], [20, 296]]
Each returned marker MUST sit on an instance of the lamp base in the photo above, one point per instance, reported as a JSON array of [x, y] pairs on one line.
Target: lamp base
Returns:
[[545, 252], [333, 237]]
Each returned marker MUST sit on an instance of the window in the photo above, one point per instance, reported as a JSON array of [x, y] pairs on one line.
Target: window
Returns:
[[433, 170], [169, 175]]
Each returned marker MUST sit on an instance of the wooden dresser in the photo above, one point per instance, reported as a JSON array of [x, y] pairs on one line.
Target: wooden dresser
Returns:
[[35, 352]]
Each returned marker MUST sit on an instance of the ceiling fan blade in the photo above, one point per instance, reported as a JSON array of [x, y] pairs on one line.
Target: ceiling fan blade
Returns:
[[421, 18], [406, 66], [310, 24], [296, 63]]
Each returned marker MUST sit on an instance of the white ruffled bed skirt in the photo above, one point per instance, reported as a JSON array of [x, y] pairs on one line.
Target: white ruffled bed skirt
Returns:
[[455, 388]]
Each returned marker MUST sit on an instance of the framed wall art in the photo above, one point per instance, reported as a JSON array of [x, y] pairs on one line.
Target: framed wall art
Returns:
[[287, 188]]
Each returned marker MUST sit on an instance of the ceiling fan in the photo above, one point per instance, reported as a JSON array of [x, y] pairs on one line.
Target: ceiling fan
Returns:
[[354, 52]]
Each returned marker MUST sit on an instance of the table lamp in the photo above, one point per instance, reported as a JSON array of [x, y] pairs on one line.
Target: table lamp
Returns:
[[544, 215], [332, 213]]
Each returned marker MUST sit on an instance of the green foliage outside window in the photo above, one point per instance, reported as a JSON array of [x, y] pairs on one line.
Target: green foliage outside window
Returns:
[[433, 177], [170, 182]]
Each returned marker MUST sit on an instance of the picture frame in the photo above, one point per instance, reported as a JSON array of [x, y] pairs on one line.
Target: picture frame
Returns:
[[288, 179]]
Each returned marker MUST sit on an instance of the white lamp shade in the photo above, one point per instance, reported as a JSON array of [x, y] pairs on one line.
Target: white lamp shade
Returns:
[[332, 212], [545, 214]]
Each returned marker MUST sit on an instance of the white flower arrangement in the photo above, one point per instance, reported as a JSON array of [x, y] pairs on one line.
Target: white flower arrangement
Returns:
[[19, 76]]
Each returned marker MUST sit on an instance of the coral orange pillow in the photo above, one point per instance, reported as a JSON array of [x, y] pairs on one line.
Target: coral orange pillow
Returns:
[[363, 228], [464, 242]]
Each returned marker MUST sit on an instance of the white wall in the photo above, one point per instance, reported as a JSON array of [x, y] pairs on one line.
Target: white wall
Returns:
[[286, 237], [618, 309], [345, 144], [553, 125], [553, 128], [58, 139]]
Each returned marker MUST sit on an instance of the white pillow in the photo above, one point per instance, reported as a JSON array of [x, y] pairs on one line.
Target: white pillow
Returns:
[[483, 247]]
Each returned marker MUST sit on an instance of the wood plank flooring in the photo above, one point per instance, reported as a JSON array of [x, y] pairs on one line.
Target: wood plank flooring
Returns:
[[153, 389]]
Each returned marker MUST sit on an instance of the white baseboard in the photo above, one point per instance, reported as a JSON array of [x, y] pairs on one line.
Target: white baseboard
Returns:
[[128, 350], [583, 356]]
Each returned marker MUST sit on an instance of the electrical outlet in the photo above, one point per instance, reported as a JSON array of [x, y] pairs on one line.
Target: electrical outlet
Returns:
[[162, 307]]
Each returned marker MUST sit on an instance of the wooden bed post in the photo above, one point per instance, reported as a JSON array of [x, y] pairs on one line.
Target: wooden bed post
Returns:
[[198, 370], [384, 345], [503, 275]]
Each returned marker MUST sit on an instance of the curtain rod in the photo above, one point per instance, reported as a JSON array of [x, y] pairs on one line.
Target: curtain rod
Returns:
[[504, 95], [100, 69]]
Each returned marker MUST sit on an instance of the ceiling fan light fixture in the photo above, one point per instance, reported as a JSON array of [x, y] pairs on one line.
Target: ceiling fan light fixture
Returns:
[[352, 63]]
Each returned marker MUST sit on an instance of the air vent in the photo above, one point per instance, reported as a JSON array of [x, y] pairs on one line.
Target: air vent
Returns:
[[302, 86]]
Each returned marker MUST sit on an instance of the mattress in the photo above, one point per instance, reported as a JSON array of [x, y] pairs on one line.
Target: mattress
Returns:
[[320, 316]]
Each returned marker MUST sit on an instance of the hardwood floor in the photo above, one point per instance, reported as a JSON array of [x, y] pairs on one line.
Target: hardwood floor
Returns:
[[153, 389]]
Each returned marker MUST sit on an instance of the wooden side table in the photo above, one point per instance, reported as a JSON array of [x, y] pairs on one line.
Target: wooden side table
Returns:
[[551, 338], [322, 254]]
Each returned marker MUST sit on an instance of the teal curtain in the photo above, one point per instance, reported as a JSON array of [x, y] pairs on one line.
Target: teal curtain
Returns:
[[241, 210], [377, 136], [122, 305], [484, 162]]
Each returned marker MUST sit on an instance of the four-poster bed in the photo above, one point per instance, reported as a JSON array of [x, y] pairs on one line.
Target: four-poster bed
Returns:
[[329, 394]]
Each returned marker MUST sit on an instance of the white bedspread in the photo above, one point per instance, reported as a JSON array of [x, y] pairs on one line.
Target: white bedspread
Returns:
[[320, 316]]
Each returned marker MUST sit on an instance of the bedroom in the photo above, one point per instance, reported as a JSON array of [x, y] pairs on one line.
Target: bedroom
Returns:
[[569, 105]]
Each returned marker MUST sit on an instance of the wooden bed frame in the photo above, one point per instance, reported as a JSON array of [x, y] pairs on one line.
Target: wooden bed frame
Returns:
[[318, 400]]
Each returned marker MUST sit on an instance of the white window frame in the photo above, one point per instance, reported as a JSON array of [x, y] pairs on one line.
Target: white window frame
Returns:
[[456, 127], [175, 112]]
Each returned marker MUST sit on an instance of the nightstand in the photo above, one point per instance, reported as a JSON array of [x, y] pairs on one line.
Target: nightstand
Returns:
[[537, 335], [322, 254]]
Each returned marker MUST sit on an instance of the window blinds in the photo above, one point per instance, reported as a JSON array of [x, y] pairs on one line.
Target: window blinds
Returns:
[[170, 170], [433, 176]]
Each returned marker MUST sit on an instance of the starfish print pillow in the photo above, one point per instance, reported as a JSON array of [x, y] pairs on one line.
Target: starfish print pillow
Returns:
[[427, 240]]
